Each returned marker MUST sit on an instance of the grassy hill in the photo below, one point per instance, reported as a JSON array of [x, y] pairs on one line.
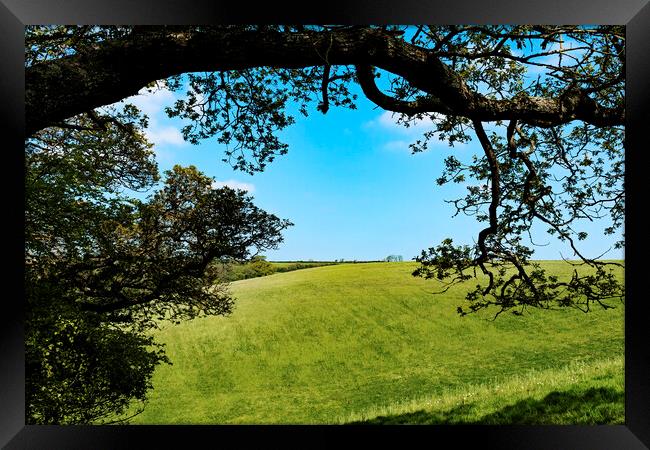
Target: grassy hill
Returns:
[[369, 342]]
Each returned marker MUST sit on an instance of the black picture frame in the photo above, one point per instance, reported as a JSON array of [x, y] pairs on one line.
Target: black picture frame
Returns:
[[635, 14]]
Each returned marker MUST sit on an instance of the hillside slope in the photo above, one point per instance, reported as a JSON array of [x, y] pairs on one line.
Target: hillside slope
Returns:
[[354, 341]]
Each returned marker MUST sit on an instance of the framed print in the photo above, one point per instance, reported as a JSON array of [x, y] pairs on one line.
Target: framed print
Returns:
[[268, 283]]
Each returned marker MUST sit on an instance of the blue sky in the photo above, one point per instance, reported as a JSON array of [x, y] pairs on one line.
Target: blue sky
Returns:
[[349, 184]]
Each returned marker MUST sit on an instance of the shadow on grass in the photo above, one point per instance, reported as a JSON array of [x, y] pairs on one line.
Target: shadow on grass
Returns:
[[587, 406]]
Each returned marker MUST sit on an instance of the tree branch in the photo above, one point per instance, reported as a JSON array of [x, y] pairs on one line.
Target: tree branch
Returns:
[[366, 79], [494, 203], [113, 70], [325, 104]]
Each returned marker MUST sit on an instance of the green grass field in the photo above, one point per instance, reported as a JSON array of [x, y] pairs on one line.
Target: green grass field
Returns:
[[370, 343]]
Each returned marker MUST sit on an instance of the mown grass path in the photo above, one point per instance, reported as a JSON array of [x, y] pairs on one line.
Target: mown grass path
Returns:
[[354, 341]]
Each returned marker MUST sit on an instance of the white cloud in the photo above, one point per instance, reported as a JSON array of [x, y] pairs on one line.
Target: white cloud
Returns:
[[234, 184], [152, 104], [399, 145], [164, 135], [389, 121]]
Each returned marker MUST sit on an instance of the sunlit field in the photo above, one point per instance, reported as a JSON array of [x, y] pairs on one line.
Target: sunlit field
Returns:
[[369, 343]]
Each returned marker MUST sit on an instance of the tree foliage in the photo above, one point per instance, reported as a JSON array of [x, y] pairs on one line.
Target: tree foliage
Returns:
[[546, 104], [103, 268]]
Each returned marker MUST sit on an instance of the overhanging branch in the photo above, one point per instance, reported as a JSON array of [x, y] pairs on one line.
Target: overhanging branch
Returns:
[[114, 70], [366, 79]]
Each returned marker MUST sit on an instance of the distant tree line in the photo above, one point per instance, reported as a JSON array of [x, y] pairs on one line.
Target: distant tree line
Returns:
[[231, 270]]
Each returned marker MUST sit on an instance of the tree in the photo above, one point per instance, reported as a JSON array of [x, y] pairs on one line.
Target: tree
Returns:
[[233, 270], [102, 269], [552, 147]]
